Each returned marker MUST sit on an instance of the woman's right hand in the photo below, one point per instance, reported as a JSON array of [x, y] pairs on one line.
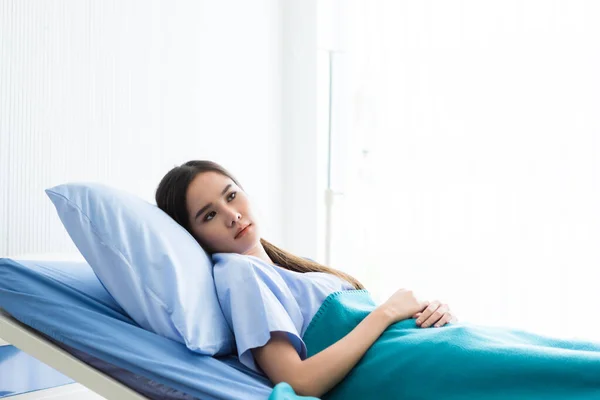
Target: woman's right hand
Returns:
[[402, 305]]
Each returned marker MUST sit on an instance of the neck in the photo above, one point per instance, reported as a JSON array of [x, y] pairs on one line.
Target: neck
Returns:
[[259, 251]]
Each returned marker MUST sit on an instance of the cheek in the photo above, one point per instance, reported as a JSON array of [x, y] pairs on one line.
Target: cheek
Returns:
[[216, 238], [204, 236], [247, 209]]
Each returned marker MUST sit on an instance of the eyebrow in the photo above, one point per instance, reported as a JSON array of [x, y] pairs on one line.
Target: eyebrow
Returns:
[[210, 204]]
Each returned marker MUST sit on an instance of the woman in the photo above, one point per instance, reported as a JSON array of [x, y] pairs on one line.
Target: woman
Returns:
[[210, 204], [318, 330]]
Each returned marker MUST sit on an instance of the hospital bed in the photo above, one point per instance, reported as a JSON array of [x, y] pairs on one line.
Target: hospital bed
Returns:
[[58, 386], [60, 314]]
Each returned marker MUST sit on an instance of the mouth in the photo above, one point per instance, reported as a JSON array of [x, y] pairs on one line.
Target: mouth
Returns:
[[242, 231]]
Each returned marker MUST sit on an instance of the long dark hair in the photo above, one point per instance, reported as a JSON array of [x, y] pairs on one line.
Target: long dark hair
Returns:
[[171, 198]]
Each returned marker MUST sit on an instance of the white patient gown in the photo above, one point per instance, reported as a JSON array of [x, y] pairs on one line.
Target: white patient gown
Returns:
[[258, 298]]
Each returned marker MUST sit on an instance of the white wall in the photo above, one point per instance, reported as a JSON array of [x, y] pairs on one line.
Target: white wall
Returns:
[[307, 38], [482, 120], [121, 91], [303, 195]]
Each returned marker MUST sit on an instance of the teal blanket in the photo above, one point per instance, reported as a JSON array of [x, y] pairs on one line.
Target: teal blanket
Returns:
[[457, 361]]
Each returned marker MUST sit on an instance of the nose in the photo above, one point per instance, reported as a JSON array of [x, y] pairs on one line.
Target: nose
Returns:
[[235, 217]]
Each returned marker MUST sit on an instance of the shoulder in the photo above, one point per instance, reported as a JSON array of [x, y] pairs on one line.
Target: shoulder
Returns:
[[248, 280], [239, 267], [229, 261], [232, 267]]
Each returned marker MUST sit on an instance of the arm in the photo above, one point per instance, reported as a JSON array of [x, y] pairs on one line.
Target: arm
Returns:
[[318, 374]]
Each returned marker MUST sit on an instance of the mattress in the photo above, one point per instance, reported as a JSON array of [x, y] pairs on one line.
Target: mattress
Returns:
[[64, 301]]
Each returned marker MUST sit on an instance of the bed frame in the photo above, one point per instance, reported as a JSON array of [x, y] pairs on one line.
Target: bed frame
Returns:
[[32, 343]]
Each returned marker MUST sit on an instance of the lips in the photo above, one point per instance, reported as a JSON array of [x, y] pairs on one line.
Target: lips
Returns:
[[240, 231]]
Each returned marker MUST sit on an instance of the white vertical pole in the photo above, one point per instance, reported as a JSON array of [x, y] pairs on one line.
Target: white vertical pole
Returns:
[[328, 191], [332, 36]]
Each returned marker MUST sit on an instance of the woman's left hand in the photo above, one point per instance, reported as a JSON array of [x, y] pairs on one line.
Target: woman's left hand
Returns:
[[436, 314]]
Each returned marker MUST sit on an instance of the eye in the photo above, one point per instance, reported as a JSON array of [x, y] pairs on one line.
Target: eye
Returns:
[[206, 217], [234, 194]]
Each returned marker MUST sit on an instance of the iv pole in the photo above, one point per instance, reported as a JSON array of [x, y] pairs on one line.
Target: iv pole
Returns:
[[329, 193], [333, 36]]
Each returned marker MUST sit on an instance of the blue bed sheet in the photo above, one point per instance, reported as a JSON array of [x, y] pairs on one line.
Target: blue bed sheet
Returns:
[[65, 301]]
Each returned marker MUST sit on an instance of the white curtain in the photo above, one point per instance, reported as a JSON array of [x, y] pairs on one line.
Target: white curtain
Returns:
[[474, 172]]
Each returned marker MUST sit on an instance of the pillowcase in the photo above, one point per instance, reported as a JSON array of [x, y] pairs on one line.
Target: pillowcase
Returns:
[[150, 264]]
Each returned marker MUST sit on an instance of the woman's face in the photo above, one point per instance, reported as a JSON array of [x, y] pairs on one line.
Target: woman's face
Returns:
[[218, 209]]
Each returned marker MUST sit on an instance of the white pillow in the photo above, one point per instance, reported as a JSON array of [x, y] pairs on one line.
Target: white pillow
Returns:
[[150, 264]]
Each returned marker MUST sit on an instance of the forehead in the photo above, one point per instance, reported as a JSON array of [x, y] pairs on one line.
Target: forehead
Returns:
[[206, 187]]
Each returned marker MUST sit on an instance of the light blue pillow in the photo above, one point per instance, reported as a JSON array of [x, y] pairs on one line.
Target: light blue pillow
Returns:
[[150, 264]]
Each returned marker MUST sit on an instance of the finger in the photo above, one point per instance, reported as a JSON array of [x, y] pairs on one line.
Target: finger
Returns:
[[436, 316], [445, 319], [423, 306], [428, 312]]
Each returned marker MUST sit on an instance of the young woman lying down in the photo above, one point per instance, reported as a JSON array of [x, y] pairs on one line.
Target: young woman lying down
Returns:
[[315, 331]]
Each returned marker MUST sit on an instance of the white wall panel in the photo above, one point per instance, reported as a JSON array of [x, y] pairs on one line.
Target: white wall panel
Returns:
[[121, 91]]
